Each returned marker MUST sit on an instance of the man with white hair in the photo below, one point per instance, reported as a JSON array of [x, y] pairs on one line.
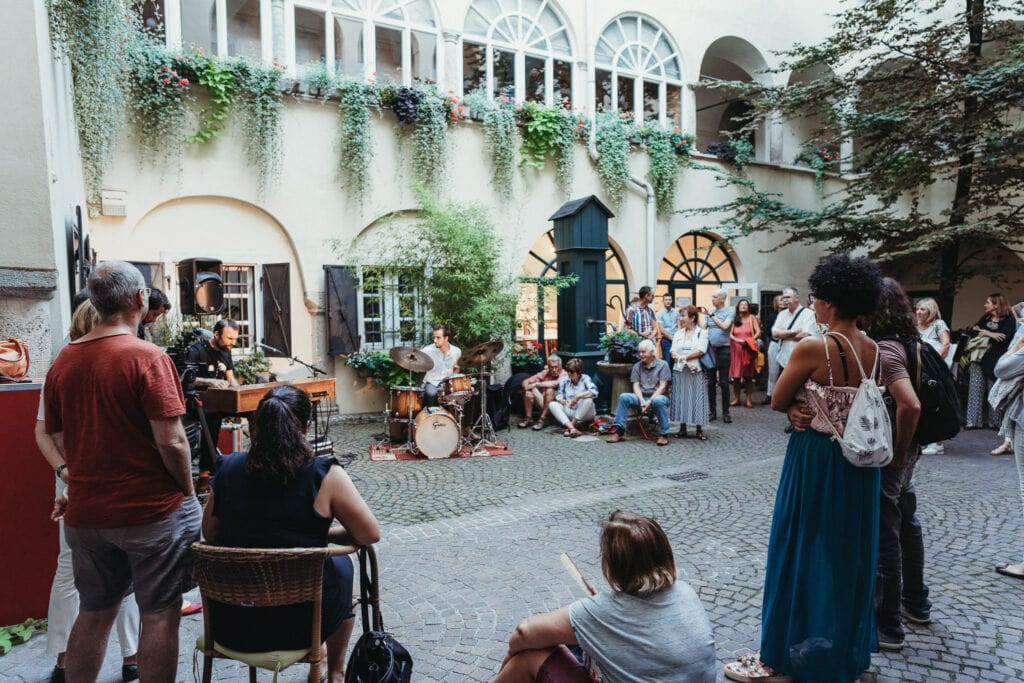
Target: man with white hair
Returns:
[[793, 323], [719, 321], [113, 406], [650, 378]]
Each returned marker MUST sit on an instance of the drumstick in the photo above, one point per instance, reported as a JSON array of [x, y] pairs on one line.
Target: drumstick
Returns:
[[574, 572]]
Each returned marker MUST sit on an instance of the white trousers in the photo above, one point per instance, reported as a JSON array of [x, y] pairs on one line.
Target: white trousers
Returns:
[[583, 412], [64, 605]]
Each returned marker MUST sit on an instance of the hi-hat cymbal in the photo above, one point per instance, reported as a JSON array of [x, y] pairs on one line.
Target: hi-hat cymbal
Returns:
[[411, 359], [481, 353]]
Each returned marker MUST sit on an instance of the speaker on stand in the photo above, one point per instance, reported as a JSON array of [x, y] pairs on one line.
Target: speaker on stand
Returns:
[[200, 288]]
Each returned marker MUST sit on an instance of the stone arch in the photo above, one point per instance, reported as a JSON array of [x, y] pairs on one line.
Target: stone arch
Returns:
[[695, 264], [729, 58], [797, 131]]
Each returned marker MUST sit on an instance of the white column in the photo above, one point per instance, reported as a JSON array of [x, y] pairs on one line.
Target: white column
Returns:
[[689, 122], [775, 129], [451, 72], [277, 43]]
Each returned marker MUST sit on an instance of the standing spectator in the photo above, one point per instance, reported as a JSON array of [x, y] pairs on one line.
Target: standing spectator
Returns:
[[574, 400], [901, 587], [689, 393], [650, 378], [719, 321], [743, 339], [935, 333], [641, 318], [63, 607], [772, 344], [998, 326], [791, 325], [158, 305], [1010, 368], [817, 620], [541, 388], [668, 323], [114, 407]]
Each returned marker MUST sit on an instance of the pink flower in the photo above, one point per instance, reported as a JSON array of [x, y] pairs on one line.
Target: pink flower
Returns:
[[163, 68], [167, 81], [183, 81], [174, 73]]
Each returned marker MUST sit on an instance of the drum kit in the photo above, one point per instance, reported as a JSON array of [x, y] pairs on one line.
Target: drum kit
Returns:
[[436, 432]]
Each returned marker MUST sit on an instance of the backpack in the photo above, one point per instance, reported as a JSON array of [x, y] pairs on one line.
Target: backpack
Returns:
[[936, 390], [867, 439]]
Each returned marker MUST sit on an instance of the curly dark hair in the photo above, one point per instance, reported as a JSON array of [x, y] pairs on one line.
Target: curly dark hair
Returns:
[[894, 315], [279, 449], [850, 284]]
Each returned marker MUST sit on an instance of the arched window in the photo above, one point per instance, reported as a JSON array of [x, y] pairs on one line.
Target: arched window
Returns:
[[518, 49], [638, 71], [228, 28], [694, 266], [391, 41]]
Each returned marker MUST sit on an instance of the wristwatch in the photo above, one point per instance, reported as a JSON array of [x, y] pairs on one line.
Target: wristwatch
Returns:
[[60, 469]]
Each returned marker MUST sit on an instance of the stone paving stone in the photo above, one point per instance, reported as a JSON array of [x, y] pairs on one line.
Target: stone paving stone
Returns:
[[472, 546]]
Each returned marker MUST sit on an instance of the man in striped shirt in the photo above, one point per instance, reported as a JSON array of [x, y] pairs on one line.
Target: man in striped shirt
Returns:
[[641, 318]]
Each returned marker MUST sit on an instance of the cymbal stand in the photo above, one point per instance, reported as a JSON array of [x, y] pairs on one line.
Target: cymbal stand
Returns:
[[486, 427]]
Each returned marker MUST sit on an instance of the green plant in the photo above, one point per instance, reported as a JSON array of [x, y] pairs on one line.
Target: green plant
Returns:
[[822, 160], [430, 141], [354, 136], [248, 367], [380, 366], [159, 94], [540, 132], [612, 141], [19, 633], [500, 138], [663, 169], [621, 346], [260, 102], [525, 353], [91, 38], [319, 81], [219, 79]]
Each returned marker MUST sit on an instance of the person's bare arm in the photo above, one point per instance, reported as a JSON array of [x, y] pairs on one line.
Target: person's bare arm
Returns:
[[802, 363], [229, 376], [174, 452], [908, 411], [212, 383], [210, 522], [52, 452], [944, 343], [348, 507], [660, 391], [542, 630]]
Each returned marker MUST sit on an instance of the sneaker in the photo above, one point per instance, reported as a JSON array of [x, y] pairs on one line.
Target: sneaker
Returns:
[[933, 449], [917, 616], [890, 641]]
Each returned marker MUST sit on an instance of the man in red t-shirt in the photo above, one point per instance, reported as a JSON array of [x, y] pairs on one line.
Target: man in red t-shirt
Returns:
[[541, 388], [113, 406]]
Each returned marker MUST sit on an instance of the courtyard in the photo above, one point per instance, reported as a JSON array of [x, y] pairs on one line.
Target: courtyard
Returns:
[[469, 547]]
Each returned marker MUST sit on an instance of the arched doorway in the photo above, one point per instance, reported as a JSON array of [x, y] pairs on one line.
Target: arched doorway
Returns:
[[537, 313], [694, 266]]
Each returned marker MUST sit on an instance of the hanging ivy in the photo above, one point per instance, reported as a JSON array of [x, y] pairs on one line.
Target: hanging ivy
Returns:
[[259, 101], [430, 142], [612, 140], [219, 79], [500, 139], [354, 136], [565, 143], [159, 97], [663, 170]]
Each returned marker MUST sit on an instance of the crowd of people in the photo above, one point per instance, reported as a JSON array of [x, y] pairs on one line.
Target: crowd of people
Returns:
[[845, 564]]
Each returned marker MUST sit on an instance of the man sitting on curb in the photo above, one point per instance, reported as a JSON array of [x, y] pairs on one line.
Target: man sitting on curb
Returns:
[[650, 378], [541, 388]]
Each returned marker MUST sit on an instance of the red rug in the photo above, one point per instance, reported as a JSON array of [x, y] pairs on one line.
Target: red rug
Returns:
[[388, 452]]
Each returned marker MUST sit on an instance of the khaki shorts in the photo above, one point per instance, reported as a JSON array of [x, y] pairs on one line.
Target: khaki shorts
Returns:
[[155, 557]]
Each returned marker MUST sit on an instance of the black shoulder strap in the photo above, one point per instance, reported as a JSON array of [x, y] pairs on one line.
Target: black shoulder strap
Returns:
[[796, 317], [842, 358]]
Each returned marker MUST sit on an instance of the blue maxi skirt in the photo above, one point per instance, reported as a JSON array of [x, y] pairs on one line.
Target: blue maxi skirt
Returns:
[[818, 618]]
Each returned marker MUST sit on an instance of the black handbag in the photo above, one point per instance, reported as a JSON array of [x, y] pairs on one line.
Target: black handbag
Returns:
[[377, 657]]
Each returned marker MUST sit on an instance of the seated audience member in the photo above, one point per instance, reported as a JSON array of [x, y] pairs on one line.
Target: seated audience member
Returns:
[[574, 401], [278, 495], [650, 378], [649, 627], [541, 388]]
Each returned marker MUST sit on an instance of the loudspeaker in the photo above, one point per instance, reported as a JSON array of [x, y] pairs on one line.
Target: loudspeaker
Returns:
[[200, 289]]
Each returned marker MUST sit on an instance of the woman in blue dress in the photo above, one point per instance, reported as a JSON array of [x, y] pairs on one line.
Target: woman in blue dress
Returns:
[[279, 495], [817, 621]]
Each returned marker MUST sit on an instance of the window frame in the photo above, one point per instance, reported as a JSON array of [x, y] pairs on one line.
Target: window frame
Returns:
[[390, 311], [370, 21], [520, 52], [173, 23]]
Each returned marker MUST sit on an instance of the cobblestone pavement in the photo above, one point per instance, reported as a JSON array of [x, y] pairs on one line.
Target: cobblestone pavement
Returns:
[[471, 546]]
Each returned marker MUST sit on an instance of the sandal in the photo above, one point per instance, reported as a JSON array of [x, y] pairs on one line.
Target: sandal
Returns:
[[701, 435], [525, 423], [572, 433], [539, 425], [750, 669], [681, 434]]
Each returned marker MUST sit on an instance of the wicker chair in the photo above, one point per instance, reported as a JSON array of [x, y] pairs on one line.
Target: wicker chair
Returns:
[[262, 577]]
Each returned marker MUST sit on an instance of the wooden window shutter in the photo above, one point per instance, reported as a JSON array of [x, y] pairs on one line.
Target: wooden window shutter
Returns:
[[342, 310], [277, 312]]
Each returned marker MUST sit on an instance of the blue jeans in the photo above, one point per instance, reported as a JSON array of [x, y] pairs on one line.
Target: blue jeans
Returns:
[[718, 377], [666, 348], [628, 402]]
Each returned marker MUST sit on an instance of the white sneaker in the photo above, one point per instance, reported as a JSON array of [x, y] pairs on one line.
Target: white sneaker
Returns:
[[933, 449]]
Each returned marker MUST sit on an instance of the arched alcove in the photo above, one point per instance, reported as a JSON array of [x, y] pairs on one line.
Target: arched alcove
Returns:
[[728, 59]]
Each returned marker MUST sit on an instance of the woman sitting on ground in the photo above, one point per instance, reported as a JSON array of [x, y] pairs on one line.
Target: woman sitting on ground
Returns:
[[279, 495], [649, 627]]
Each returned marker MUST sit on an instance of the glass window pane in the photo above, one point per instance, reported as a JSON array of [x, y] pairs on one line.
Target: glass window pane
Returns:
[[625, 94], [244, 28], [672, 69], [603, 90], [628, 25], [560, 42], [199, 25], [649, 33], [424, 56], [310, 37], [476, 25], [389, 55], [474, 71], [561, 82], [534, 79], [153, 14], [348, 47], [420, 12], [652, 101], [549, 20], [504, 73], [674, 105], [604, 54]]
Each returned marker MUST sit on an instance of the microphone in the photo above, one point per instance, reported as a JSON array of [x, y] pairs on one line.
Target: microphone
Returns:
[[270, 348]]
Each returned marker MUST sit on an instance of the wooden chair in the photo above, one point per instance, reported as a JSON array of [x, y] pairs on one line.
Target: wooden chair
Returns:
[[262, 577]]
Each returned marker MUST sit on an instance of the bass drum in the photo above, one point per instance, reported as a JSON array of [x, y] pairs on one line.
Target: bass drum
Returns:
[[437, 433]]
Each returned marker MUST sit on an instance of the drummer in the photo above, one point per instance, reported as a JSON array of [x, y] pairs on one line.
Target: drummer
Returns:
[[446, 363]]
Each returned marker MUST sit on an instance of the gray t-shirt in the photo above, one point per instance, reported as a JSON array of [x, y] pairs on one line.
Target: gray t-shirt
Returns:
[[650, 377], [666, 637]]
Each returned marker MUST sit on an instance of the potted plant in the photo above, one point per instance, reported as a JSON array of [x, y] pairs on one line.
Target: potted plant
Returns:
[[525, 356], [254, 368], [319, 83], [621, 346], [378, 365]]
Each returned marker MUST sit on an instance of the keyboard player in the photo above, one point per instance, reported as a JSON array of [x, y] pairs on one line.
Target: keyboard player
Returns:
[[214, 369]]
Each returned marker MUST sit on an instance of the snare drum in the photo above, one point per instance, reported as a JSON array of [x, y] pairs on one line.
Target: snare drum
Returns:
[[455, 389], [437, 433], [405, 402]]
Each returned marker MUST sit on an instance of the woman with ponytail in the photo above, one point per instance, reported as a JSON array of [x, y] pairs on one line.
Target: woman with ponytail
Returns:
[[279, 495]]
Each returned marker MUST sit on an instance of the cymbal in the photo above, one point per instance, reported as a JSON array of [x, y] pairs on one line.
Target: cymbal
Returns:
[[411, 359], [481, 353]]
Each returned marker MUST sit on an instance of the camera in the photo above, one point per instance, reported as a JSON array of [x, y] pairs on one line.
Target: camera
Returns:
[[187, 373]]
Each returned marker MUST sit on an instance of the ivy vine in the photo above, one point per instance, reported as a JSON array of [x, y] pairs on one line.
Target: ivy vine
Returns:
[[500, 139], [260, 102], [663, 170], [159, 96], [219, 79], [430, 142], [354, 136], [612, 140]]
